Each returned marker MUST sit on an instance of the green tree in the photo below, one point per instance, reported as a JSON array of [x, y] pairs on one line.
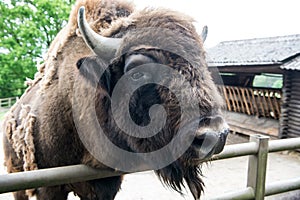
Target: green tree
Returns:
[[27, 28]]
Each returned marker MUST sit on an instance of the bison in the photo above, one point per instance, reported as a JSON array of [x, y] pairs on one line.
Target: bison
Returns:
[[119, 89]]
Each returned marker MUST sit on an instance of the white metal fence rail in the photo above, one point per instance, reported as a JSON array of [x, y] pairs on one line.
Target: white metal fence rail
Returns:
[[258, 149], [8, 102]]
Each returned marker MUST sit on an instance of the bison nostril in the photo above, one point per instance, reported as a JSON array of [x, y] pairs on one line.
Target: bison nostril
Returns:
[[198, 141], [207, 140]]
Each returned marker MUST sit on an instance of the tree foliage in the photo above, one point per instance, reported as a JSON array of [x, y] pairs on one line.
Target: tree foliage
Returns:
[[268, 81], [27, 28]]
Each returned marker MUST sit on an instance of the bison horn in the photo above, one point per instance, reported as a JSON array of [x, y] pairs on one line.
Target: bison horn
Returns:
[[101, 46], [204, 33]]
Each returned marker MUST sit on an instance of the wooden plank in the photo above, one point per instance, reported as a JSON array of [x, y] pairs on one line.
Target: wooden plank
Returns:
[[235, 99], [293, 101], [294, 126], [231, 98], [293, 133], [271, 104], [294, 106], [249, 69], [294, 114], [261, 110], [296, 120], [8, 102], [266, 106], [226, 98], [277, 104], [250, 98], [240, 99], [255, 103], [245, 100]]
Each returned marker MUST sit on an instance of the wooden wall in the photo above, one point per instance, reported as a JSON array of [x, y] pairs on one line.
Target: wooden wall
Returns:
[[290, 115]]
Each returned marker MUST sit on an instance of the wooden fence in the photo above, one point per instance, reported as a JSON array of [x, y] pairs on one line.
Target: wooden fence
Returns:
[[8, 102], [260, 102]]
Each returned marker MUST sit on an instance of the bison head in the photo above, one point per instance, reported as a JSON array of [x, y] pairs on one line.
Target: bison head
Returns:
[[147, 101]]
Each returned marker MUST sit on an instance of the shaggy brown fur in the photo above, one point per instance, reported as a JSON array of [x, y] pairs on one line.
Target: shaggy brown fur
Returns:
[[40, 131]]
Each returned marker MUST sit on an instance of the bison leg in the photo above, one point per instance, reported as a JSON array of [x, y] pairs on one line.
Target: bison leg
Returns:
[[52, 193], [20, 195], [107, 188], [101, 189], [13, 164]]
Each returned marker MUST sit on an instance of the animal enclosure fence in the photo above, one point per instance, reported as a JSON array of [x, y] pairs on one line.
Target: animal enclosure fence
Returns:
[[8, 102], [260, 102], [258, 149]]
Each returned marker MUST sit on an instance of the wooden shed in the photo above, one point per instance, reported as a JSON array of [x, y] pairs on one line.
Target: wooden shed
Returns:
[[290, 109], [260, 80]]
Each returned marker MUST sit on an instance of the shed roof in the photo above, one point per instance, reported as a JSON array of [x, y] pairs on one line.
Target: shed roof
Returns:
[[258, 51], [293, 64]]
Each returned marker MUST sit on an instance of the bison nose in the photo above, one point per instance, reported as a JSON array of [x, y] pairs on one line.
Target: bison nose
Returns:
[[221, 142], [210, 143], [210, 137]]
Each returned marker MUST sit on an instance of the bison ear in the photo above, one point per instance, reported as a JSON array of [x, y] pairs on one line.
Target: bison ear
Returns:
[[94, 70]]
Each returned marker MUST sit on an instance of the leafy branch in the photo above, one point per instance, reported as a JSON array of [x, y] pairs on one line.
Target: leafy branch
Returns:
[[27, 28]]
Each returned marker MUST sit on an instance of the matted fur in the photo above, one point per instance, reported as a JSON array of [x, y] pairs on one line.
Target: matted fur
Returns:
[[21, 139], [40, 131], [19, 122]]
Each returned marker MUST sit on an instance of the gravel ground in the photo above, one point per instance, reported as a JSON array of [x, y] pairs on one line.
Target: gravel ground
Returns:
[[220, 176], [2, 112]]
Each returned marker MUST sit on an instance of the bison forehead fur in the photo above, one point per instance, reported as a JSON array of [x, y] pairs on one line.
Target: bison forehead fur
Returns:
[[45, 135]]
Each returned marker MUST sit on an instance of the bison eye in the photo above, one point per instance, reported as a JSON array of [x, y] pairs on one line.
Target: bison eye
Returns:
[[137, 75]]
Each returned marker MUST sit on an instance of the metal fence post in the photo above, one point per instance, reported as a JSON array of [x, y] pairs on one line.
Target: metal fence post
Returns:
[[257, 166]]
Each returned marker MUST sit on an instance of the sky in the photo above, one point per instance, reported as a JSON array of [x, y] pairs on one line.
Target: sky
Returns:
[[237, 19]]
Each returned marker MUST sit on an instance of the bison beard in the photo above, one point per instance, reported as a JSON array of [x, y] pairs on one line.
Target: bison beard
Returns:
[[46, 136], [175, 174]]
